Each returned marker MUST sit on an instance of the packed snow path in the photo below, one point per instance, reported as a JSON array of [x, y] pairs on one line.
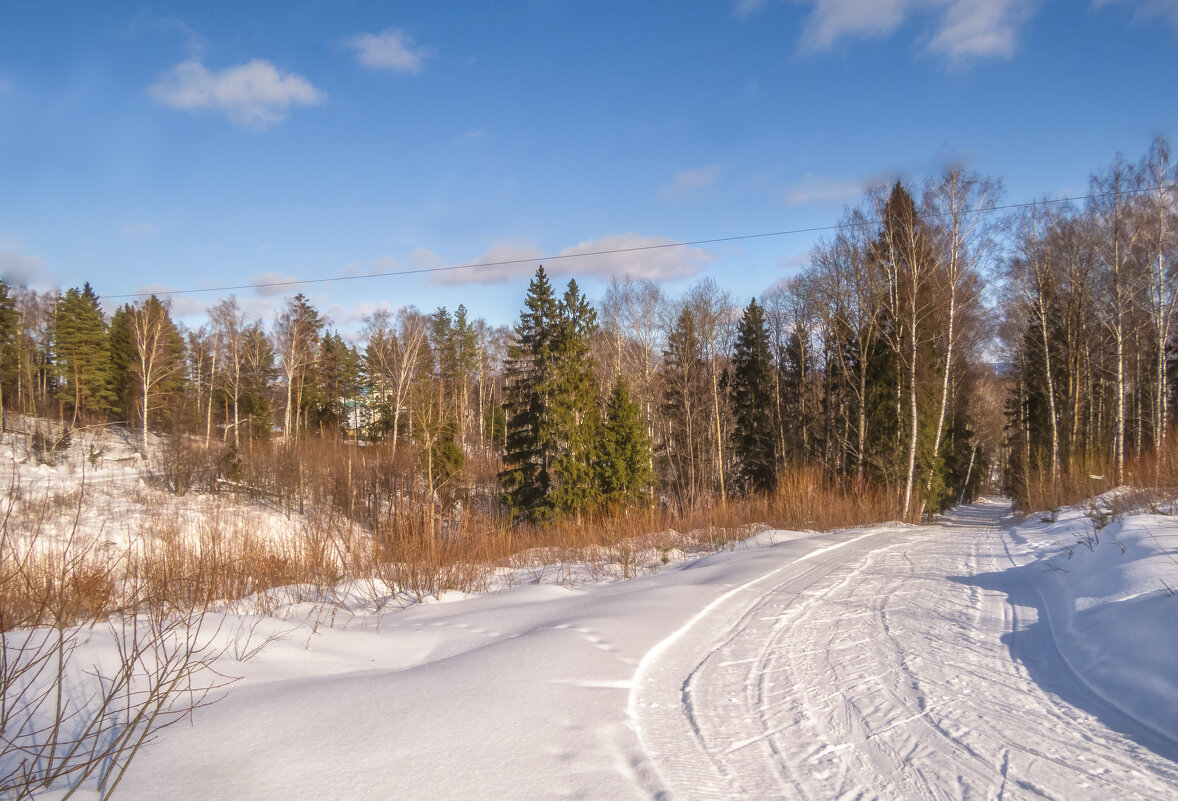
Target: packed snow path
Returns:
[[900, 664]]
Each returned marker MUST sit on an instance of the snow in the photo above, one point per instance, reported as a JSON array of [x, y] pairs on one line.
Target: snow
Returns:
[[1110, 597], [975, 658]]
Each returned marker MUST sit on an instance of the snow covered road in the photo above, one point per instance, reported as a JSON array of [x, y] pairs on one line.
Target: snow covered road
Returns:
[[887, 663], [906, 664]]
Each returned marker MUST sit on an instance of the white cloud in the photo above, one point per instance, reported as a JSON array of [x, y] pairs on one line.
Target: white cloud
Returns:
[[817, 189], [183, 305], [503, 262], [422, 258], [389, 50], [962, 30], [745, 8], [972, 30], [1146, 9], [685, 182], [284, 281], [382, 264], [254, 95], [20, 269], [832, 20], [364, 309], [800, 259], [640, 257]]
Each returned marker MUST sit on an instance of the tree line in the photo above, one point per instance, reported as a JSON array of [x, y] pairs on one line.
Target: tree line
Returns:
[[1089, 293], [931, 347]]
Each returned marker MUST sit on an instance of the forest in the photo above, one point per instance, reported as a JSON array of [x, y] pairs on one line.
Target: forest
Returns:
[[939, 344]]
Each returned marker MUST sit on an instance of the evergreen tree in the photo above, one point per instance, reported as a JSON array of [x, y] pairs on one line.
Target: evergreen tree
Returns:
[[550, 402], [338, 382], [122, 356], [526, 478], [796, 366], [685, 406], [573, 420], [82, 352], [9, 333], [752, 400], [257, 379], [624, 471]]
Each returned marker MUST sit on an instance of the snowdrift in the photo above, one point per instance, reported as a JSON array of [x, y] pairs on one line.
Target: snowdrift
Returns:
[[1110, 594]]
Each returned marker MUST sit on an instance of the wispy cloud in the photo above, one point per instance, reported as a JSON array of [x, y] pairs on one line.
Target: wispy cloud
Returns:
[[1146, 9], [973, 30], [254, 95], [344, 316], [641, 257], [381, 264], [138, 230], [422, 258], [962, 30], [686, 182], [274, 278], [800, 259], [503, 262], [18, 268], [185, 305], [745, 8], [390, 49], [820, 189]]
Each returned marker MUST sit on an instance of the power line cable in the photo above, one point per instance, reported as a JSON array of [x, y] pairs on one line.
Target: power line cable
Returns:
[[611, 251]]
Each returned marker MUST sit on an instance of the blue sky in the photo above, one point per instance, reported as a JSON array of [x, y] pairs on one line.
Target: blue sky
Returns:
[[183, 145]]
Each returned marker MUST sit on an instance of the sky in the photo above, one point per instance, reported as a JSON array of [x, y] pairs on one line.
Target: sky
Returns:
[[182, 146]]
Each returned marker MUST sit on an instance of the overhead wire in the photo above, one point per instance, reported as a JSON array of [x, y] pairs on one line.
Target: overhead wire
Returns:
[[611, 251]]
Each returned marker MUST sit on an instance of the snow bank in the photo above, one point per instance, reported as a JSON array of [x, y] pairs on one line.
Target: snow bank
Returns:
[[1110, 595]]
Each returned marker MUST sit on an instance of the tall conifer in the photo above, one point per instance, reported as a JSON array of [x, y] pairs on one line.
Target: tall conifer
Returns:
[[752, 396], [526, 477]]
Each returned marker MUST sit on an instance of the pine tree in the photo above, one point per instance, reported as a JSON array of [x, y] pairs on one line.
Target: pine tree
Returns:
[[752, 397], [82, 352], [623, 470]]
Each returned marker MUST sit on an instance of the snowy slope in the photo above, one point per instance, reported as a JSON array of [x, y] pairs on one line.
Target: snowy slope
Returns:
[[1110, 596], [890, 663]]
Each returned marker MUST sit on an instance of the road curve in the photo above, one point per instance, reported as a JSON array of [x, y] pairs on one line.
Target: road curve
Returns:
[[895, 663]]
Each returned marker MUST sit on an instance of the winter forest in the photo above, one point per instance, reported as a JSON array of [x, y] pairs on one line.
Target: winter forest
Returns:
[[939, 343]]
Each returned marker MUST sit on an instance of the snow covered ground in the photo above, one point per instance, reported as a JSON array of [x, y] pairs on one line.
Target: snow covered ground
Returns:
[[967, 659], [946, 661]]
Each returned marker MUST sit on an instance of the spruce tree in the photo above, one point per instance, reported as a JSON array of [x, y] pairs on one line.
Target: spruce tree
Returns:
[[573, 421], [685, 399], [526, 478], [752, 397], [338, 381], [624, 471]]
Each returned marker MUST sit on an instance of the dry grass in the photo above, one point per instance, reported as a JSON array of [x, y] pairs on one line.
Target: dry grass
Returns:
[[1152, 477], [351, 513]]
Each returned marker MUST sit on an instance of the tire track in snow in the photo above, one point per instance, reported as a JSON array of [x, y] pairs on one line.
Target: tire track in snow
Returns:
[[861, 671]]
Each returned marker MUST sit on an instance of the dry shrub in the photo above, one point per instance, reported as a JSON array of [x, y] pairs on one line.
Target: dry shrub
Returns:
[[1153, 477]]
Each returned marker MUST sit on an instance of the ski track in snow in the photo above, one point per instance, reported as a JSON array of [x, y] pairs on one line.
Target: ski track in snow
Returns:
[[885, 667]]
